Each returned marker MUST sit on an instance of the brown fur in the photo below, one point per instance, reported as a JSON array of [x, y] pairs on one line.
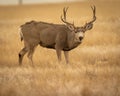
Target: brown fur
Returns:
[[56, 36]]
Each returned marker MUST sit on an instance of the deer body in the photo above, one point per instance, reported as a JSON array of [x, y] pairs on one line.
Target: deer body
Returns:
[[60, 37], [48, 35]]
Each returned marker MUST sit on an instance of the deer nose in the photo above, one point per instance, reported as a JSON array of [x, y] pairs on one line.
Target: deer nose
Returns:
[[80, 38]]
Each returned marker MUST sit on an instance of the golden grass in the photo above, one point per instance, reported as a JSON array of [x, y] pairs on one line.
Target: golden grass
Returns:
[[94, 68]]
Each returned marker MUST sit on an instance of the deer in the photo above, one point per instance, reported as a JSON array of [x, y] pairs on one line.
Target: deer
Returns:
[[60, 37]]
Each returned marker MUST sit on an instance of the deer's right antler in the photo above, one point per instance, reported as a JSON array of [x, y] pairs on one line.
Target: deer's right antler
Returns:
[[63, 18]]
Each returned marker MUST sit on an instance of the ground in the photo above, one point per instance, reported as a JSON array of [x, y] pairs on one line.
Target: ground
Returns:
[[94, 68]]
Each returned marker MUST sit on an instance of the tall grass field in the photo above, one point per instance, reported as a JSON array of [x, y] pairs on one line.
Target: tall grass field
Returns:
[[94, 68]]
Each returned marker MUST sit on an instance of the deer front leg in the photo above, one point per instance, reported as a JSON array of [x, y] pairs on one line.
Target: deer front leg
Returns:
[[30, 56], [58, 51], [66, 53]]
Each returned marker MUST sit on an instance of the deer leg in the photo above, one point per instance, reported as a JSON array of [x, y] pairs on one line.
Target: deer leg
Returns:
[[58, 51], [21, 55], [66, 56], [30, 55], [58, 55]]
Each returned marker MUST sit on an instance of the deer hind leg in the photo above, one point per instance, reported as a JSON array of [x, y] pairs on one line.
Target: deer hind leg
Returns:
[[30, 55], [21, 55]]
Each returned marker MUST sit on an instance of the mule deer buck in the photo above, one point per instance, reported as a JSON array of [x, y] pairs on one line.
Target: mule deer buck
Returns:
[[61, 37]]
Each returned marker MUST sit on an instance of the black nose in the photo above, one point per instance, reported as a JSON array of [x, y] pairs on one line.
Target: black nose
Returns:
[[80, 38]]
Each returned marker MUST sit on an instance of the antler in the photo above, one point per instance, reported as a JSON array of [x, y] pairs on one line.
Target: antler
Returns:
[[63, 18], [94, 12]]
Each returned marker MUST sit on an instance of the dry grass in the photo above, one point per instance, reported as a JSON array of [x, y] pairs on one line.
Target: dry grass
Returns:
[[95, 65]]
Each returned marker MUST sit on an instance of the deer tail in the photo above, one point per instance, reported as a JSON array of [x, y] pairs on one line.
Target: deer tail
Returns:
[[21, 36]]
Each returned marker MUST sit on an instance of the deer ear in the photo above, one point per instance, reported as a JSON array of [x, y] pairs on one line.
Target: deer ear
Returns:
[[89, 26], [71, 27]]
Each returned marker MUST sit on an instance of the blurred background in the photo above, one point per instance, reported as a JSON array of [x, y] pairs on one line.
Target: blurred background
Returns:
[[94, 68], [14, 13], [16, 2]]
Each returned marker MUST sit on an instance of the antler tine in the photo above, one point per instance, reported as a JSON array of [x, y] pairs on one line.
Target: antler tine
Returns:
[[94, 12], [65, 11], [63, 18], [94, 9]]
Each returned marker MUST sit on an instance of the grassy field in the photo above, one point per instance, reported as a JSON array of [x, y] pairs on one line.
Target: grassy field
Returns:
[[94, 68]]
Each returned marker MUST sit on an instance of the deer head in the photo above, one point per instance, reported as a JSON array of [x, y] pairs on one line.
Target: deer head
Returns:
[[79, 31]]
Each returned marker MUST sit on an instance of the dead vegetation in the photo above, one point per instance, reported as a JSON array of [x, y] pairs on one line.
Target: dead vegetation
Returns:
[[95, 65]]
